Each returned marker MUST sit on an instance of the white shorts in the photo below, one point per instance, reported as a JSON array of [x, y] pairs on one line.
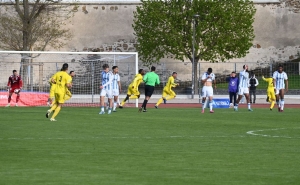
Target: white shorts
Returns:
[[277, 91], [107, 93], [243, 90], [115, 92], [207, 91]]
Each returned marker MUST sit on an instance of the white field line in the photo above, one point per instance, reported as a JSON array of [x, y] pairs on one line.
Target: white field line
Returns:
[[259, 133]]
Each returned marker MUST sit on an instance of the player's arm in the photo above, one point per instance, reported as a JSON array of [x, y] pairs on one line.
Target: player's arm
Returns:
[[256, 84], [53, 79], [214, 81], [204, 78], [20, 83], [9, 83], [264, 79], [145, 78], [119, 83], [286, 84]]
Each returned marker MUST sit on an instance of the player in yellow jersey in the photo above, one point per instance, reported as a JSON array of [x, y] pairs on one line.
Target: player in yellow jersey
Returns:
[[63, 81], [133, 91], [270, 91], [168, 93]]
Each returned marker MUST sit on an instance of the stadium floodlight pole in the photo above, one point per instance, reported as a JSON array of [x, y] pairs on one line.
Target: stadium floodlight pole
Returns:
[[193, 59]]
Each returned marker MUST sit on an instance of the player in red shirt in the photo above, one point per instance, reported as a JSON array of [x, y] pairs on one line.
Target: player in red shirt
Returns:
[[14, 85]]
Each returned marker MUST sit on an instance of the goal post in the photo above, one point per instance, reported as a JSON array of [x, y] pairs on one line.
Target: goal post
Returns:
[[37, 67]]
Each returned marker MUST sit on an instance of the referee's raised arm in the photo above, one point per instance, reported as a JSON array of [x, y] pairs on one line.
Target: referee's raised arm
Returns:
[[151, 79]]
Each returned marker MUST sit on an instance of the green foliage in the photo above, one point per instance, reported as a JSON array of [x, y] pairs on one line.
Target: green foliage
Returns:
[[160, 147], [165, 29]]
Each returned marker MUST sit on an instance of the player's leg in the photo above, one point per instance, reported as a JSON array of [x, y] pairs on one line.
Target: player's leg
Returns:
[[250, 95], [281, 95], [247, 96], [240, 96], [171, 96], [210, 94], [129, 93], [271, 97], [148, 93], [10, 93], [254, 96], [17, 98], [164, 94], [234, 98], [59, 98], [230, 99], [277, 99], [115, 103], [204, 94]]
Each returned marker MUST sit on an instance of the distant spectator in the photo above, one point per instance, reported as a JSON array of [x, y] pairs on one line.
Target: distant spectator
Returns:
[[253, 82], [233, 88]]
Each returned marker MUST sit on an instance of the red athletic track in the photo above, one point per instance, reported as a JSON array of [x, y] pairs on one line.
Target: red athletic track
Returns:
[[182, 105]]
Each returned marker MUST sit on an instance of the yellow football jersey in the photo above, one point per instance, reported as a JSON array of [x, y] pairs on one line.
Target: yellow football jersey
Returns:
[[61, 78], [270, 82], [170, 83], [137, 80]]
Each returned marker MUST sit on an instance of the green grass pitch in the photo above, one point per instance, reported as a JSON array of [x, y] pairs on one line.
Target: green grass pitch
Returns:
[[161, 147]]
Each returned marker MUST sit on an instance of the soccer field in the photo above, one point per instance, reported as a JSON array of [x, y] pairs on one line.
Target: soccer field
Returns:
[[160, 147]]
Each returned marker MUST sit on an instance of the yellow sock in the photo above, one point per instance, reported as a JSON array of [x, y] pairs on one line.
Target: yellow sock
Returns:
[[53, 107], [272, 104], [56, 112], [170, 97], [159, 101]]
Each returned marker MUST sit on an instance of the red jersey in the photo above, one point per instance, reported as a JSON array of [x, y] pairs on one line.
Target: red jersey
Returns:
[[15, 82]]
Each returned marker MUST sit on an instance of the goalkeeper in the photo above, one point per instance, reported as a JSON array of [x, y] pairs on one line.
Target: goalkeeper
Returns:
[[133, 91], [270, 91], [168, 93]]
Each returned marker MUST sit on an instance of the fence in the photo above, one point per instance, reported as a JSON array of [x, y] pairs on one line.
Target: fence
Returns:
[[87, 80]]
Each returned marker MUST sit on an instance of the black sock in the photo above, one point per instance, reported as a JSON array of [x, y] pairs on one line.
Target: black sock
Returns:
[[127, 97], [144, 104]]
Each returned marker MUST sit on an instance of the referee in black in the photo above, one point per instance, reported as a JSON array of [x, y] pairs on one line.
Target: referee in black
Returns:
[[151, 79]]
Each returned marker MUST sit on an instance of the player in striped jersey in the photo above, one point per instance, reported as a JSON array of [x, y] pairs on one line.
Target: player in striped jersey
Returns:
[[281, 86], [106, 88], [116, 86], [208, 79], [243, 88]]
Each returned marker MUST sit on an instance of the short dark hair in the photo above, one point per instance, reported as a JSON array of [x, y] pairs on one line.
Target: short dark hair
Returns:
[[140, 70], [14, 70], [153, 68], [244, 66], [65, 67], [209, 69], [280, 65], [233, 72], [105, 66], [71, 72], [174, 73], [114, 67]]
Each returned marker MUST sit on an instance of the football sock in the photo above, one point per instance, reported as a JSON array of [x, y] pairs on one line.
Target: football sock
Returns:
[[272, 104], [56, 112], [210, 105], [102, 108], [249, 106], [204, 104], [145, 104], [159, 101], [17, 99], [282, 104], [54, 106], [277, 102], [115, 105], [9, 99], [170, 97]]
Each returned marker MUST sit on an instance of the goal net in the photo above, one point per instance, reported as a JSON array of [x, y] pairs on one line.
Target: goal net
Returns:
[[36, 68]]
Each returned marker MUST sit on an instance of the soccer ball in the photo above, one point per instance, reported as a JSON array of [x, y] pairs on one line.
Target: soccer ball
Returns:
[[17, 91]]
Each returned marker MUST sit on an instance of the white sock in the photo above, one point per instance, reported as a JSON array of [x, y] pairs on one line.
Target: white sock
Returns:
[[249, 106], [210, 105], [102, 109], [282, 104], [204, 105], [115, 105], [279, 103]]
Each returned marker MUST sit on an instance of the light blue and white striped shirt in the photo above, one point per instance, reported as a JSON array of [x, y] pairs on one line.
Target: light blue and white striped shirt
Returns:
[[107, 78], [279, 79], [244, 77], [116, 79]]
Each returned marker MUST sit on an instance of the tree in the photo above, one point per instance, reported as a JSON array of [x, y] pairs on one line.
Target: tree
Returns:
[[34, 25], [165, 29]]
